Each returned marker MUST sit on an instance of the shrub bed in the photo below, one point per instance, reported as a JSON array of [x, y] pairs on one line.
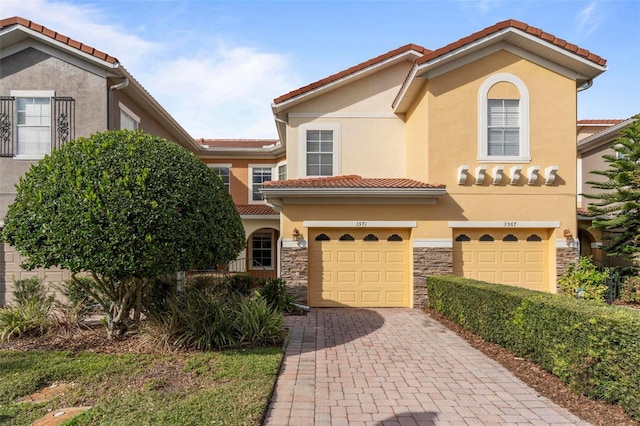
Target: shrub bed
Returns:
[[594, 348]]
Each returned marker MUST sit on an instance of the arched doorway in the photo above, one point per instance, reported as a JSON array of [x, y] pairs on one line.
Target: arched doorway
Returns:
[[262, 252]]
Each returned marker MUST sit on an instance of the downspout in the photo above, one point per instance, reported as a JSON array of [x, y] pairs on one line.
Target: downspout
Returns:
[[124, 83]]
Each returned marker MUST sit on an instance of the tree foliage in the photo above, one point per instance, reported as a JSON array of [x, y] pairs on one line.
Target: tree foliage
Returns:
[[125, 207], [618, 208]]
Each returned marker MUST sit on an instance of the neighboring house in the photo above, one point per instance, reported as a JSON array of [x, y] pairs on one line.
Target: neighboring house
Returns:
[[417, 162], [595, 139], [243, 166], [54, 89]]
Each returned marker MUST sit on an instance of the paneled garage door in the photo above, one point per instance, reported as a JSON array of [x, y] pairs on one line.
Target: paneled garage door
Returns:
[[507, 256], [359, 268]]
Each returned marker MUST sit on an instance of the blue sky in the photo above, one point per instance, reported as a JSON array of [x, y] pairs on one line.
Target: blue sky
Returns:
[[216, 66]]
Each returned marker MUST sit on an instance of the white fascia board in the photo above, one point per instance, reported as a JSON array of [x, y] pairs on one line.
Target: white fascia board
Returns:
[[363, 192], [504, 224], [328, 86], [606, 135], [360, 224], [259, 216]]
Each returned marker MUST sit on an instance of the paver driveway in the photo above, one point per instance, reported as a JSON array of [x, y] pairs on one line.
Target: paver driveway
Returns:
[[396, 367]]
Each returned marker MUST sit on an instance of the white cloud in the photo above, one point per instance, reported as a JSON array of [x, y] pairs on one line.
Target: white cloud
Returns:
[[588, 20], [214, 90]]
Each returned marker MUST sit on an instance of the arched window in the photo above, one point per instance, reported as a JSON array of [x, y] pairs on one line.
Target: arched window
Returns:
[[371, 237], [510, 237], [486, 237], [534, 237], [463, 238], [394, 237], [347, 237], [323, 237], [503, 119]]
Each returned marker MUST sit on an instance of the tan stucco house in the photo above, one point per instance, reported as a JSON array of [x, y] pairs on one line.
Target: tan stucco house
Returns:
[[54, 89], [458, 160]]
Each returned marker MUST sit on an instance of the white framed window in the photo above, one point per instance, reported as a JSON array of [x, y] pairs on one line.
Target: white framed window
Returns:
[[503, 123], [282, 170], [224, 171], [262, 250], [33, 123], [128, 119], [320, 149], [259, 173]]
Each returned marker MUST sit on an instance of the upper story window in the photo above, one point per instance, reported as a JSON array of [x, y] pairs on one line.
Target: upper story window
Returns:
[[503, 121], [319, 152], [224, 171], [259, 174], [319, 149], [33, 127], [282, 172], [128, 119], [33, 122]]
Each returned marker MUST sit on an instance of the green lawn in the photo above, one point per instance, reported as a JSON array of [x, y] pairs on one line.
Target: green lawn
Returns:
[[229, 387]]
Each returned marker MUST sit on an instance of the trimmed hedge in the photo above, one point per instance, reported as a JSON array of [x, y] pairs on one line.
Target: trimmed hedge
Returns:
[[592, 347]]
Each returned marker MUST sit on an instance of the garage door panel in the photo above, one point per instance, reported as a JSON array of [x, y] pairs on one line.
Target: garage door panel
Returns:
[[372, 273], [509, 259], [370, 257], [346, 256]]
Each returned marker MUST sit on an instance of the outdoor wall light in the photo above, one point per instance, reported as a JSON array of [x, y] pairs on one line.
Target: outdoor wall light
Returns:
[[297, 235]]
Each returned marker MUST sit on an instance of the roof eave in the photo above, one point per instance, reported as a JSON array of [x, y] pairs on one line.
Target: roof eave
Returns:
[[279, 107], [604, 136], [583, 68], [354, 192]]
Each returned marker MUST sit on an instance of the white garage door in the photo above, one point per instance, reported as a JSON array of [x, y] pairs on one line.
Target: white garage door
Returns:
[[359, 268], [516, 257]]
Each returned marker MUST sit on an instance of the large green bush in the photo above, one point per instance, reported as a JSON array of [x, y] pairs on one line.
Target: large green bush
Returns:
[[125, 207], [594, 348]]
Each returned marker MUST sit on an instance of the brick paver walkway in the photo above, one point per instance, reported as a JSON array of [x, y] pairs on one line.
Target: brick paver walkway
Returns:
[[396, 367]]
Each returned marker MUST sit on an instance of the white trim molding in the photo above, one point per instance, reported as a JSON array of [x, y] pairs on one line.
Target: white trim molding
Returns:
[[483, 154], [504, 224], [302, 146], [360, 224], [432, 243]]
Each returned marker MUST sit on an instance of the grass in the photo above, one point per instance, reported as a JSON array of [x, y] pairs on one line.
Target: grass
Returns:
[[226, 388]]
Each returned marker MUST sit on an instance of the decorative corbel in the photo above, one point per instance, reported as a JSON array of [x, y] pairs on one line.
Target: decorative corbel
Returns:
[[498, 173], [532, 172], [515, 174], [462, 174], [481, 173], [550, 175]]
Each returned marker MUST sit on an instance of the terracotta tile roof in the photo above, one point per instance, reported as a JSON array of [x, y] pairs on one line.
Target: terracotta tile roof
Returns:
[[351, 70], [349, 181], [7, 22], [255, 210], [512, 23], [583, 211], [237, 143], [600, 122]]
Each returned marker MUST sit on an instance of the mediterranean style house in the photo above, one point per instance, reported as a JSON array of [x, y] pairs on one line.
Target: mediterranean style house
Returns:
[[459, 160], [456, 160], [54, 89], [595, 139]]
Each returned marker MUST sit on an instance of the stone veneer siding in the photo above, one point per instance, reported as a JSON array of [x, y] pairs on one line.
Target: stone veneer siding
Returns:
[[295, 271], [565, 256], [429, 261]]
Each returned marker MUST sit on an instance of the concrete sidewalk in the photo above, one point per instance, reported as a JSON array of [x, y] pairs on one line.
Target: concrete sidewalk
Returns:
[[396, 367]]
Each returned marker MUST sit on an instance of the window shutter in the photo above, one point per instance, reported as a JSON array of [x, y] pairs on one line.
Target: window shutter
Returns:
[[6, 126], [64, 117]]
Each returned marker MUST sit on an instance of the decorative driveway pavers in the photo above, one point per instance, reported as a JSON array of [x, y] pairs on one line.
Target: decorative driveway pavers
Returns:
[[396, 367]]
